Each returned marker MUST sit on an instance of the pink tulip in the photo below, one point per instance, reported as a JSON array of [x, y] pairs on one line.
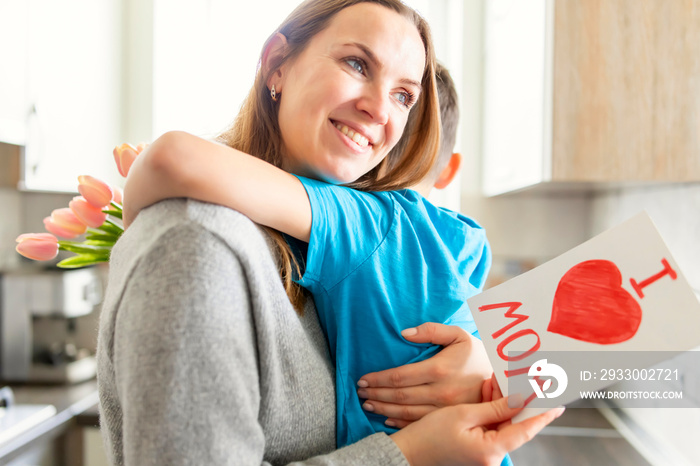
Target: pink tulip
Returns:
[[64, 223], [117, 195], [37, 246], [124, 157], [88, 214], [96, 192]]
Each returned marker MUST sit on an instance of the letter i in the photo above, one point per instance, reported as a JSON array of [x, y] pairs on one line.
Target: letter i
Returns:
[[666, 271]]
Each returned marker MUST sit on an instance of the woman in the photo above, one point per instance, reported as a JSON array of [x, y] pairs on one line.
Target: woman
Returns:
[[202, 357]]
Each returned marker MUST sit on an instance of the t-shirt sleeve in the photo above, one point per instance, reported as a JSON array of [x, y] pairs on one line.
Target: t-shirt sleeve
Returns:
[[347, 227], [474, 263]]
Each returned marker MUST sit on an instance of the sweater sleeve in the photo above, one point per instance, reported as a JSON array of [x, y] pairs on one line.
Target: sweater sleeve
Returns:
[[185, 362], [187, 365]]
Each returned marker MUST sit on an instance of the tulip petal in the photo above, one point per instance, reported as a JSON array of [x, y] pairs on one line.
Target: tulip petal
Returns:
[[37, 246], [58, 230], [127, 160], [96, 192], [118, 157], [66, 220], [36, 236], [88, 214], [117, 195]]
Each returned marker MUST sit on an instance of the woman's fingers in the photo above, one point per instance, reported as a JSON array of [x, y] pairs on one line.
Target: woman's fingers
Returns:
[[513, 436], [493, 412], [417, 395], [438, 334], [402, 376], [397, 423], [421, 372], [496, 389], [487, 390], [400, 412]]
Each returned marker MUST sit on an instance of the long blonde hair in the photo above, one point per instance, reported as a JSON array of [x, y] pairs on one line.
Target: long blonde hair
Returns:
[[256, 128]]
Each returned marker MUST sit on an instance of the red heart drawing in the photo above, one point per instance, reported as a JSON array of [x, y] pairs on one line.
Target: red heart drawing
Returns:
[[591, 305]]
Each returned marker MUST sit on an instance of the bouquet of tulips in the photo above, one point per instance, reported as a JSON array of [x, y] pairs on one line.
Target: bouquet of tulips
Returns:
[[96, 213]]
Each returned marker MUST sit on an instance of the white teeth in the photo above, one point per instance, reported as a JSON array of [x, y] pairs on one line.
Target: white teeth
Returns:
[[359, 139]]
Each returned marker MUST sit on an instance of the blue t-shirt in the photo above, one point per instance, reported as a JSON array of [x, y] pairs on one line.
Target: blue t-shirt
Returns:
[[378, 263]]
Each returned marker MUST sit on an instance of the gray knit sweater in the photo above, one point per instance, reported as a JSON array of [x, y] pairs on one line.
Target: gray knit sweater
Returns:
[[201, 358]]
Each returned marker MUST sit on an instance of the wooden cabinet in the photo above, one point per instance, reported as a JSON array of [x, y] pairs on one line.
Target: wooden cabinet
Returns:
[[61, 93], [591, 91]]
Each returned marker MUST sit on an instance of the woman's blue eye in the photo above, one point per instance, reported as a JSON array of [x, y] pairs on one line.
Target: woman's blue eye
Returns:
[[404, 98], [357, 64]]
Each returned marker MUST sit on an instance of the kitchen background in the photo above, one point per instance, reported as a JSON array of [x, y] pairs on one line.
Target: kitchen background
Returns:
[[575, 115]]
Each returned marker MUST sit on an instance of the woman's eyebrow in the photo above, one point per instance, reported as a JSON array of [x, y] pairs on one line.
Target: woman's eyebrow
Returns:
[[373, 58]]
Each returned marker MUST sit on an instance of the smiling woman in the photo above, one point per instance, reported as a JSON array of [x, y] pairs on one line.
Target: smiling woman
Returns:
[[202, 357]]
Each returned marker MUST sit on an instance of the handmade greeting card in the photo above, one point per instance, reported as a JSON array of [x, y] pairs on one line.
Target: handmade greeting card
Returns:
[[618, 292]]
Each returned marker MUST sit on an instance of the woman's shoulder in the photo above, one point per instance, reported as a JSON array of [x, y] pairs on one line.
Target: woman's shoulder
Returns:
[[159, 221], [207, 226]]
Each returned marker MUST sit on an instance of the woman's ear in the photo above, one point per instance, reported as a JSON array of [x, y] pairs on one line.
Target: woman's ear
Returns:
[[274, 53]]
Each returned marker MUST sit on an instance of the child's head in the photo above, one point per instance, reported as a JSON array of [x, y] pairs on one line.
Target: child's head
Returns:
[[447, 163]]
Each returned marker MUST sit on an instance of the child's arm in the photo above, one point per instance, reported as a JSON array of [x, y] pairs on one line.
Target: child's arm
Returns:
[[179, 164]]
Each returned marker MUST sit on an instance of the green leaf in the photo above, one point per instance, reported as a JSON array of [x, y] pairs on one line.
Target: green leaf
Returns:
[[81, 248], [101, 237], [113, 213], [116, 206], [105, 243], [82, 260], [112, 228]]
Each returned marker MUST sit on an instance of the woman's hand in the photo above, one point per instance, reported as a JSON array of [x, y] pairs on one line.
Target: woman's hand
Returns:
[[457, 434], [454, 375]]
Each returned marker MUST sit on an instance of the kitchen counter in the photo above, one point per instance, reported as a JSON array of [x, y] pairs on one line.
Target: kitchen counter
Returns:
[[580, 437], [76, 408]]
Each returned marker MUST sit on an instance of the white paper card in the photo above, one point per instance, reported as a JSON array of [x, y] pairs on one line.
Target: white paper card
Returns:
[[620, 291]]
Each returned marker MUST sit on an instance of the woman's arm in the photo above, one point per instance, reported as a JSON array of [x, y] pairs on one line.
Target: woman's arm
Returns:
[[179, 164]]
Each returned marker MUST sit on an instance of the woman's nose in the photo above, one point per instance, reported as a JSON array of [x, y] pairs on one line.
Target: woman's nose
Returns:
[[375, 102]]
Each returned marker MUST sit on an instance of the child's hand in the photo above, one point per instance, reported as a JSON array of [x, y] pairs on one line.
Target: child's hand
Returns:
[[455, 375]]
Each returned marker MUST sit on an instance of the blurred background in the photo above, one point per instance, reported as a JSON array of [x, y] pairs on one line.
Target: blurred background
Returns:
[[575, 115]]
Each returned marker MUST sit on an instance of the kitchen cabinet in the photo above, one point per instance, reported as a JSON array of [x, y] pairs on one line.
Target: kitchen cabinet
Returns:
[[61, 88], [590, 93]]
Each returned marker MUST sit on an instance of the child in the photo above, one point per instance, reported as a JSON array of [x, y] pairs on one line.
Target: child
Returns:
[[375, 263]]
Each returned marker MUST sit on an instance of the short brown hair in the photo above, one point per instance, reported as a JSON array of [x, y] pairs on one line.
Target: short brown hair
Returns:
[[449, 119]]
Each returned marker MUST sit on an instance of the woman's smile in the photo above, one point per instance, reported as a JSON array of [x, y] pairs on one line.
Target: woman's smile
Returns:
[[352, 137]]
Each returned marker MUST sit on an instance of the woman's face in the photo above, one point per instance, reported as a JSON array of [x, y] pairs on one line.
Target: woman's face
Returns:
[[345, 99]]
